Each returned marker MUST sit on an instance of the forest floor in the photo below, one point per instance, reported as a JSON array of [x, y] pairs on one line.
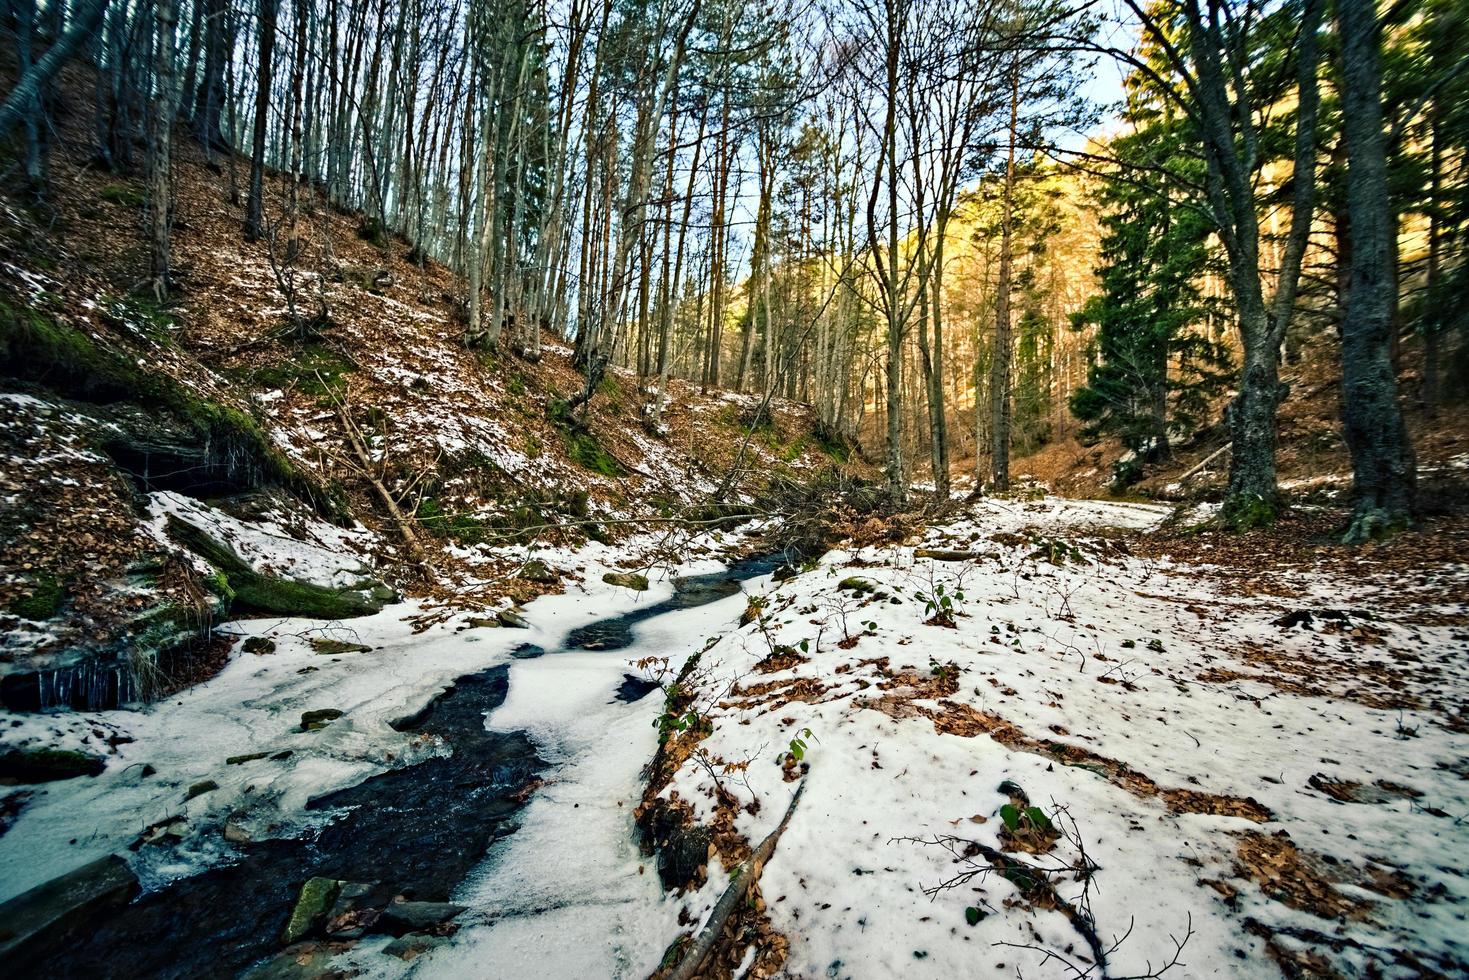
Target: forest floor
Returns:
[[1054, 734], [1113, 738], [1313, 462]]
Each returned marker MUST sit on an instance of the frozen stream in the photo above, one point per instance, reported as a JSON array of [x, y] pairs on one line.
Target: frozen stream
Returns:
[[569, 894], [410, 788]]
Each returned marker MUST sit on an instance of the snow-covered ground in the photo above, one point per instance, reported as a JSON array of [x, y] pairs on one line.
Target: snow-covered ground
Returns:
[[1147, 713], [1251, 790]]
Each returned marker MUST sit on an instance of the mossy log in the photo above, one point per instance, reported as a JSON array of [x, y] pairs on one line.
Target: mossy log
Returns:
[[264, 593]]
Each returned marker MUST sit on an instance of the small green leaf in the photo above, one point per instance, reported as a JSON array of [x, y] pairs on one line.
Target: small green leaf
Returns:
[[1011, 816], [1038, 819], [973, 915]]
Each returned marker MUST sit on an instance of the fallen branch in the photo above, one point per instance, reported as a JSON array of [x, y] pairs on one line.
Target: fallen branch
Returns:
[[405, 527], [1207, 460], [744, 877]]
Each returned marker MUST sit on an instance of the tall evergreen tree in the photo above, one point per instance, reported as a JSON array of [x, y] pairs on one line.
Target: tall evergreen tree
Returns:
[[1152, 370]]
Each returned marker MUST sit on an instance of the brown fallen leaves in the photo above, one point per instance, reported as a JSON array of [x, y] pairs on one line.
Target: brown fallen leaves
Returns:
[[1308, 881]]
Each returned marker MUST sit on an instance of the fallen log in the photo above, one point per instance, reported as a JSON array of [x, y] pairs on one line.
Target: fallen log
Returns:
[[943, 554], [745, 875]]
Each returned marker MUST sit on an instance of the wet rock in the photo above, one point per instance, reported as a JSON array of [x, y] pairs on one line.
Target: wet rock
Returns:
[[318, 718], [165, 831], [303, 961], [527, 651], [330, 648], [48, 765], [200, 788], [408, 948], [40, 920], [236, 831], [236, 760], [401, 916], [539, 572], [259, 645], [356, 909], [480, 623], [513, 619], [627, 580], [312, 904]]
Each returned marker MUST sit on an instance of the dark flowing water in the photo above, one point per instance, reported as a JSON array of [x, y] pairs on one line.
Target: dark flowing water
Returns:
[[689, 591], [416, 830]]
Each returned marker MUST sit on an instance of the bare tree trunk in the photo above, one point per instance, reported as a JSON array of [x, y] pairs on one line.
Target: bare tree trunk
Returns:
[[938, 419], [1383, 467], [1000, 355], [210, 95], [665, 344], [297, 108], [160, 140], [25, 32], [25, 98], [185, 99], [255, 198]]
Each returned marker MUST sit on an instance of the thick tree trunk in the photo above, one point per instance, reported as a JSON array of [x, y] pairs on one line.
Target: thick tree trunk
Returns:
[[1383, 468], [933, 360], [1231, 155], [1251, 497], [1000, 355]]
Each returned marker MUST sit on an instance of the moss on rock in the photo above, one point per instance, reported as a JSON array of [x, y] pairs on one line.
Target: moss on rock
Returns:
[[628, 580], [69, 361], [1243, 513], [44, 600], [48, 765], [257, 591]]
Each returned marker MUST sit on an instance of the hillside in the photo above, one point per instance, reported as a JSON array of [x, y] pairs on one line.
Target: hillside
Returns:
[[121, 411], [1313, 462]]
